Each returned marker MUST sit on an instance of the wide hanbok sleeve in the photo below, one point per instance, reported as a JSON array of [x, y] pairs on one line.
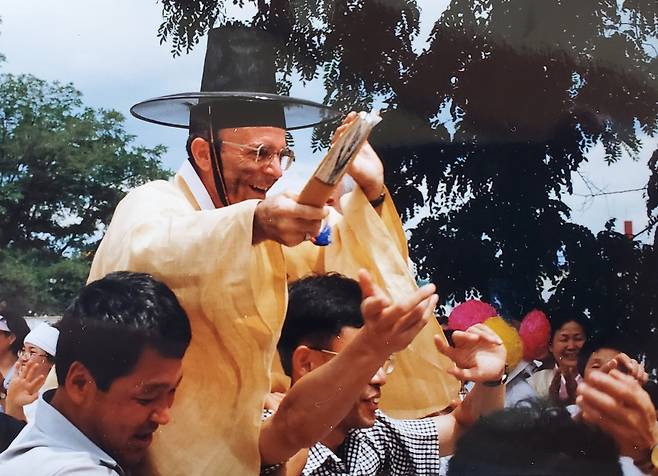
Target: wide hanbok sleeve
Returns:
[[364, 238], [234, 295]]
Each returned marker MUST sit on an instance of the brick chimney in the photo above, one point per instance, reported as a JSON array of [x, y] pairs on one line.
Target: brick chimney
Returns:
[[628, 229]]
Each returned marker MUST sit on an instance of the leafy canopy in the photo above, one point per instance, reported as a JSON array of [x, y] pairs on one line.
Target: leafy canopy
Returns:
[[63, 166], [63, 169], [486, 124]]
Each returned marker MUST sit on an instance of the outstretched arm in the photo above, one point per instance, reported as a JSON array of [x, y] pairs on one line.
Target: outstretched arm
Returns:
[[479, 356], [322, 398]]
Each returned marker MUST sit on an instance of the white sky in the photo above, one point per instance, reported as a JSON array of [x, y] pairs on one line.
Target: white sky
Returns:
[[109, 50]]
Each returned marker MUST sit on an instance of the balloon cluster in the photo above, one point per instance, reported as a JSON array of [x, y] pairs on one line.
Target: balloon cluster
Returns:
[[529, 342]]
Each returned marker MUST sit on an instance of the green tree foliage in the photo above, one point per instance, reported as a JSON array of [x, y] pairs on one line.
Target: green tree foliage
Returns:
[[486, 124], [63, 166], [63, 169]]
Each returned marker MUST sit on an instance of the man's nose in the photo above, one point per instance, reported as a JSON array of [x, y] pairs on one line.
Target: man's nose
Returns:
[[161, 416], [379, 378], [274, 168]]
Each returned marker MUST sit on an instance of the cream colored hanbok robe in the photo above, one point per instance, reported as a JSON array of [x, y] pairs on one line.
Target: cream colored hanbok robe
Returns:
[[235, 295]]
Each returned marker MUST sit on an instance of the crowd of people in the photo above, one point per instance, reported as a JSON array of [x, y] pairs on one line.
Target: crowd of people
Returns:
[[118, 354], [215, 337]]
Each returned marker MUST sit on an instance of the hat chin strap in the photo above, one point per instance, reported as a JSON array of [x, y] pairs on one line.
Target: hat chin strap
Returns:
[[217, 166]]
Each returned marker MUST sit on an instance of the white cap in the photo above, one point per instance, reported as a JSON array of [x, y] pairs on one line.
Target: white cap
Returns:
[[3, 324], [43, 336]]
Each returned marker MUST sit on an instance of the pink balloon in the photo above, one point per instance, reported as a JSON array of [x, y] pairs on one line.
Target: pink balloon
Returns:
[[535, 332], [469, 313]]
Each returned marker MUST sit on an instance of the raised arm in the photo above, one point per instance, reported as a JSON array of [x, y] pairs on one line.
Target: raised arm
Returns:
[[322, 398], [479, 356]]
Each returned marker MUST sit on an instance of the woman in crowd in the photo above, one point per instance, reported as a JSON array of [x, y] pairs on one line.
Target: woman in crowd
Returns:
[[568, 335], [12, 332]]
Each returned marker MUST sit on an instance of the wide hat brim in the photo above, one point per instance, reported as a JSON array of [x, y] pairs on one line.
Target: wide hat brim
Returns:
[[174, 110]]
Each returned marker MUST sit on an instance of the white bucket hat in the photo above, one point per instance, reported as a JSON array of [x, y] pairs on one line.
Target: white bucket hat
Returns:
[[43, 336]]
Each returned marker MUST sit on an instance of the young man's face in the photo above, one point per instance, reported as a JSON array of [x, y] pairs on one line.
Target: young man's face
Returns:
[[244, 176], [127, 415], [36, 356], [362, 414], [599, 358]]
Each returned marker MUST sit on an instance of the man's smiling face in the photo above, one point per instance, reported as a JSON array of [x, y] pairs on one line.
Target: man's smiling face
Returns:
[[245, 177]]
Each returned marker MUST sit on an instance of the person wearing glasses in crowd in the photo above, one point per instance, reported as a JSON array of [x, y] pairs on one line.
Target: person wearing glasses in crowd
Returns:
[[336, 348], [227, 248], [35, 360]]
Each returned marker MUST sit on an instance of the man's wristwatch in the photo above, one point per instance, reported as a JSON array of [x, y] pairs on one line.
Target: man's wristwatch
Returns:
[[497, 383], [379, 200]]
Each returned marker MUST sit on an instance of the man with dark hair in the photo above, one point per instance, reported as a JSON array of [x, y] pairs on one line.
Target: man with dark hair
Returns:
[[118, 362], [532, 440], [607, 352], [338, 354]]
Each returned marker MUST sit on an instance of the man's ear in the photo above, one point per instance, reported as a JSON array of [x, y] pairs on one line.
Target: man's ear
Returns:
[[79, 383], [201, 152], [303, 361]]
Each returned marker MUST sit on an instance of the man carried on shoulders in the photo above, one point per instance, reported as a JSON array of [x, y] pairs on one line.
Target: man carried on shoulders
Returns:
[[227, 248]]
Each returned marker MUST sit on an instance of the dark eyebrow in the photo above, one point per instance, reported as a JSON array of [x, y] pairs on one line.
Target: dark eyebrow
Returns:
[[158, 386]]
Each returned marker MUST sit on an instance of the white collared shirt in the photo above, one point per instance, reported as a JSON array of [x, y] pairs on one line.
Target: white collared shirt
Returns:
[[51, 444]]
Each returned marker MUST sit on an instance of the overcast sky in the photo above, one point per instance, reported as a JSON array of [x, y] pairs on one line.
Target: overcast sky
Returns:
[[109, 50]]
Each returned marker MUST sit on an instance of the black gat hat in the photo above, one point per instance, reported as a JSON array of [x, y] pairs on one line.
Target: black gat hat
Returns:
[[239, 86]]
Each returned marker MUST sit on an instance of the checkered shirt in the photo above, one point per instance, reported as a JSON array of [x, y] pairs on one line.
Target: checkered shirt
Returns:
[[390, 447]]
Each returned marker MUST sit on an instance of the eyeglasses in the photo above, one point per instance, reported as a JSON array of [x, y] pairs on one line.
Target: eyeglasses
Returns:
[[28, 354], [388, 366], [265, 155]]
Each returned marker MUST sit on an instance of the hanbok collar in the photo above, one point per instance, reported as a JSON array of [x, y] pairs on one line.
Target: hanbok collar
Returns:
[[196, 186]]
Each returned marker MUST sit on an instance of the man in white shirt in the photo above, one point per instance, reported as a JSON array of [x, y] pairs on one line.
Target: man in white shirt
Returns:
[[119, 362]]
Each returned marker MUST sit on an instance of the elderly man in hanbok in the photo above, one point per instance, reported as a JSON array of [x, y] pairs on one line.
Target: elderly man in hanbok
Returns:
[[228, 250]]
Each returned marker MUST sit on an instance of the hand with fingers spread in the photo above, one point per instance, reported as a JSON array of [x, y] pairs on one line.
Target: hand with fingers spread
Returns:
[[478, 353], [366, 169], [627, 365], [617, 404], [280, 218], [24, 387], [393, 325]]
